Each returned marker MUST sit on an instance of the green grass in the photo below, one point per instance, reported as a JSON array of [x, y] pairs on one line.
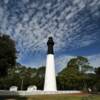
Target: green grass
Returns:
[[64, 97], [54, 97]]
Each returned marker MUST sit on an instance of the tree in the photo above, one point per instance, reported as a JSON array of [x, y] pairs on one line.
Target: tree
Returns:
[[69, 78], [39, 78], [73, 64], [7, 54], [80, 63], [74, 76], [97, 71], [84, 65]]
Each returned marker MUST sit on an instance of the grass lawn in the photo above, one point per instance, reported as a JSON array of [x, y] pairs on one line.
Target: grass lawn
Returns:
[[54, 97]]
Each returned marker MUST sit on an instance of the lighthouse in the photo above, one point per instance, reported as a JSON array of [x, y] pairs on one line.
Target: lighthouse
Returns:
[[50, 75]]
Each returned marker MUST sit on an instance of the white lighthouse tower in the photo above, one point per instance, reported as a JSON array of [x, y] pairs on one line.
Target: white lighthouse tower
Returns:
[[50, 76]]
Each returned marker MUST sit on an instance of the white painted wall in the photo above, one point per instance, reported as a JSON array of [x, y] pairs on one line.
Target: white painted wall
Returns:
[[13, 88], [50, 75]]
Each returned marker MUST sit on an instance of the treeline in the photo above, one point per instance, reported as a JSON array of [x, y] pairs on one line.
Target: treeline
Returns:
[[70, 78], [23, 77]]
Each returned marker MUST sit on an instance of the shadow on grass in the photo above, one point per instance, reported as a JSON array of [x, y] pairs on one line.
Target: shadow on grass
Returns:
[[11, 95], [13, 98]]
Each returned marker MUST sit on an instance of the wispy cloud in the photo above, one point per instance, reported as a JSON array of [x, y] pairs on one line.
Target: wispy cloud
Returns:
[[94, 60]]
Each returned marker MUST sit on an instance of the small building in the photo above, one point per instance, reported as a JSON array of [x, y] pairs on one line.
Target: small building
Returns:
[[13, 88], [32, 88]]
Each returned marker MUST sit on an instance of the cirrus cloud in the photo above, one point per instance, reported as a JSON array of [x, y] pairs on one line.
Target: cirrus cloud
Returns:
[[72, 23]]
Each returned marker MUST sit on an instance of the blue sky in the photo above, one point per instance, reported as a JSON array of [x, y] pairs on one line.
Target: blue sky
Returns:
[[74, 25]]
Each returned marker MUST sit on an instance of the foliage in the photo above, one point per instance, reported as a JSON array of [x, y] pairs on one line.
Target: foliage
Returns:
[[74, 75], [97, 71], [23, 77], [69, 78], [80, 63], [7, 54], [40, 77], [97, 85]]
